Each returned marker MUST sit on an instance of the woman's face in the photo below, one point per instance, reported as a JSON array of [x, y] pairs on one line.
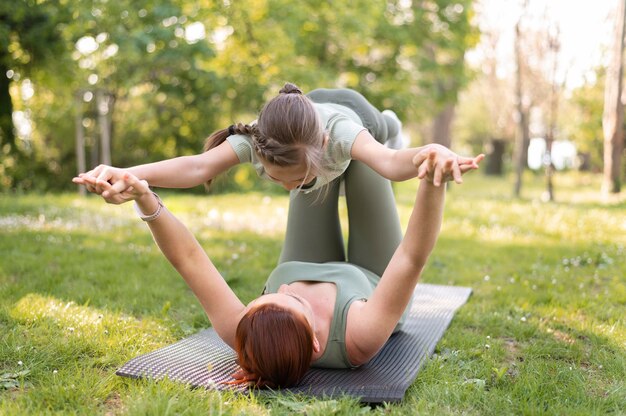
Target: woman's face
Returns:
[[289, 300]]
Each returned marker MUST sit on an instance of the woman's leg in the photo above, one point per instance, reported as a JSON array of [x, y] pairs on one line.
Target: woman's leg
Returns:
[[381, 126], [313, 228], [374, 230]]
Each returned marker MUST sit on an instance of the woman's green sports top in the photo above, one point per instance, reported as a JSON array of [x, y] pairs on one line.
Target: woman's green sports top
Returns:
[[352, 282]]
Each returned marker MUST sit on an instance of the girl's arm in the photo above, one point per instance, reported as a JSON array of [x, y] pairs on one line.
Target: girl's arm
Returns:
[[371, 323], [184, 252], [179, 172], [399, 165]]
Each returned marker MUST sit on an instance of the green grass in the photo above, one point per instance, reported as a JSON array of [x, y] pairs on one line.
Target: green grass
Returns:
[[83, 289]]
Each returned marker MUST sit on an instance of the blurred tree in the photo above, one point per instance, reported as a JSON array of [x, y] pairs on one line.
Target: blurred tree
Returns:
[[151, 57], [483, 121], [583, 120], [30, 40], [613, 117], [176, 70]]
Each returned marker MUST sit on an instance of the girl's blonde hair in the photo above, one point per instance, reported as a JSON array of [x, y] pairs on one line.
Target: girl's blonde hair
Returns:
[[288, 132]]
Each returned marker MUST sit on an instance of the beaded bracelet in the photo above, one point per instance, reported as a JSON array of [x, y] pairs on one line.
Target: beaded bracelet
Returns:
[[153, 216]]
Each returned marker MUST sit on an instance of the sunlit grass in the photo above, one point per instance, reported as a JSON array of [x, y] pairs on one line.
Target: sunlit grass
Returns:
[[83, 289]]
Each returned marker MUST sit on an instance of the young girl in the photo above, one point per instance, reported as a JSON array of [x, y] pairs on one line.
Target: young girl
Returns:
[[317, 309], [301, 142]]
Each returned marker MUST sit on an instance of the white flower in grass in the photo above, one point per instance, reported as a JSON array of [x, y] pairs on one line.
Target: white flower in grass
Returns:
[[487, 278], [55, 372], [20, 363], [523, 319]]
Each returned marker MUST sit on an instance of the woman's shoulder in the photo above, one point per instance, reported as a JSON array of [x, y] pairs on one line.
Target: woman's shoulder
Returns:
[[341, 273], [318, 267]]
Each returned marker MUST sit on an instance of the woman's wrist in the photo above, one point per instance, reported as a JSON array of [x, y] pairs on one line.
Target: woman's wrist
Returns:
[[430, 187], [149, 206]]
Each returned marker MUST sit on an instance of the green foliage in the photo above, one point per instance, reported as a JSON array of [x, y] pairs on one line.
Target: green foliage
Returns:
[[584, 126], [474, 122], [83, 289], [170, 92], [30, 41]]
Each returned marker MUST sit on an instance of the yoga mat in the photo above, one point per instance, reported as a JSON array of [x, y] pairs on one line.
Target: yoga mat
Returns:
[[204, 360]]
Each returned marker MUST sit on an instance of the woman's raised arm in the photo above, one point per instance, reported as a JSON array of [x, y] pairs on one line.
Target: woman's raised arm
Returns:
[[371, 323], [184, 252]]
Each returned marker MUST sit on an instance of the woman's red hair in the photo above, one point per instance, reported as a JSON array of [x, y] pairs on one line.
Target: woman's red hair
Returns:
[[274, 346]]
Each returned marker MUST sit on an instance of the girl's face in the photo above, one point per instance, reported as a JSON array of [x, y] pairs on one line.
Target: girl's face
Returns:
[[289, 177]]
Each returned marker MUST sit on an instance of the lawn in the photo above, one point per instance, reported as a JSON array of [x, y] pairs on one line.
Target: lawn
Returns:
[[83, 289]]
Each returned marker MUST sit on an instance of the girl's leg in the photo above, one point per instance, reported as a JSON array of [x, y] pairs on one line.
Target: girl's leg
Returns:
[[374, 230], [313, 228], [382, 127]]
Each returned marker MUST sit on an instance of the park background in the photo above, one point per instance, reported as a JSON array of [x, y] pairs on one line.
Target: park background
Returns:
[[540, 239]]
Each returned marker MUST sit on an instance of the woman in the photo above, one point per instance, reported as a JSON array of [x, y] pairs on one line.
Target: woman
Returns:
[[317, 309]]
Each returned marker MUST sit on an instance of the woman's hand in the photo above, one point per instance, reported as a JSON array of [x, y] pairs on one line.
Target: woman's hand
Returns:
[[438, 164]]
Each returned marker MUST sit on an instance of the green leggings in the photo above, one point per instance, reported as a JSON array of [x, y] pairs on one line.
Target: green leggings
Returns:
[[313, 228], [380, 125], [314, 232]]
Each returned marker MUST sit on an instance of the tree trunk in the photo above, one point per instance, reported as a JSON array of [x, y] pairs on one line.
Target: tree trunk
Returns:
[[522, 138], [7, 134], [613, 116], [495, 157], [441, 126], [80, 140], [555, 47], [103, 104]]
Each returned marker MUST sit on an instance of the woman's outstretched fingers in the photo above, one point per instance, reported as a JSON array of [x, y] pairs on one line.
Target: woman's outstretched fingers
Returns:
[[438, 171], [426, 168], [447, 171], [456, 171], [140, 186], [419, 158], [118, 187], [473, 165]]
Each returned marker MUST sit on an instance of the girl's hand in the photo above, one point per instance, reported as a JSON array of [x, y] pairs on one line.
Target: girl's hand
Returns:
[[126, 186], [438, 164], [102, 172]]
